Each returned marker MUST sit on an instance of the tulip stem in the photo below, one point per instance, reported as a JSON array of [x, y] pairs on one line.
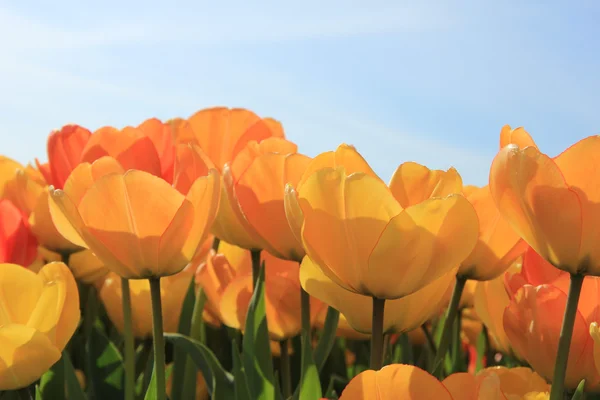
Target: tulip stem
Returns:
[[305, 310], [128, 341], [438, 362], [159, 340], [377, 334], [197, 332], [430, 341], [255, 255], [215, 244], [286, 374], [564, 342]]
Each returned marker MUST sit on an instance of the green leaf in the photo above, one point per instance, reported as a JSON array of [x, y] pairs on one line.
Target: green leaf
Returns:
[[310, 385], [180, 356], [147, 375], [481, 349], [218, 381], [241, 385], [71, 383], [327, 339], [52, 384], [258, 363], [38, 392], [151, 394], [578, 395], [105, 364]]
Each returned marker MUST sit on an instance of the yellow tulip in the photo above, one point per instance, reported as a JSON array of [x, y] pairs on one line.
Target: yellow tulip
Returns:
[[172, 292], [136, 223], [38, 315], [379, 241], [87, 267]]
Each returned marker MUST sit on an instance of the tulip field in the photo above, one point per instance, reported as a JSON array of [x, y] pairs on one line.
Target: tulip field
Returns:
[[208, 257]]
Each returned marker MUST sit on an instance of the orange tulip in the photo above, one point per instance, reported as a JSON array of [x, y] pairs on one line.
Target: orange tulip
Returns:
[[282, 299], [375, 240], [533, 319], [518, 136], [149, 147], [396, 381], [137, 224], [222, 132], [87, 267], [17, 243], [38, 313], [256, 183], [172, 292], [497, 383], [551, 203]]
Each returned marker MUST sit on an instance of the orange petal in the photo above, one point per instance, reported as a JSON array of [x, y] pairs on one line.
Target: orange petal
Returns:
[[87, 267], [293, 212], [396, 381], [259, 131], [531, 193], [44, 228], [413, 183], [461, 385], [65, 147], [518, 136], [191, 163], [8, 169], [161, 136], [490, 300]]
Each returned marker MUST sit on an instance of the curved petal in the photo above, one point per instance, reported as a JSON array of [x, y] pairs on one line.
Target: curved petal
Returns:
[[518, 136], [87, 267], [262, 129], [531, 193], [191, 163], [293, 212], [18, 245], [8, 169], [413, 183], [25, 355], [65, 147], [461, 385], [19, 283], [421, 244], [43, 227], [490, 301], [396, 381], [344, 156], [344, 217], [161, 136]]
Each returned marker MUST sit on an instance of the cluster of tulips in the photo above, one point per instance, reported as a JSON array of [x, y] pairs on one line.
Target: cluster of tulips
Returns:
[[206, 257]]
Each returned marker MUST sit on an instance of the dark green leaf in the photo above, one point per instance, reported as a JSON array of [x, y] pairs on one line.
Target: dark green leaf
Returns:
[[105, 364], [327, 338], [241, 386], [218, 381], [180, 356], [72, 384], [52, 383], [258, 363]]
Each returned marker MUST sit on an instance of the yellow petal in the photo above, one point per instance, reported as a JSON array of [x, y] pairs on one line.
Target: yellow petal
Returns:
[[87, 267], [8, 169], [293, 212], [531, 193], [595, 334], [25, 355], [413, 183], [17, 282], [421, 244], [344, 217]]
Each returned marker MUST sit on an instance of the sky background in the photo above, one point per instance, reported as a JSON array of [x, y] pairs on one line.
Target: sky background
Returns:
[[431, 82]]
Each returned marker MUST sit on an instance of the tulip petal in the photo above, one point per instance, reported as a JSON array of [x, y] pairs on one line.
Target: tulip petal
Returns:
[[19, 283], [344, 216], [65, 148], [396, 381], [262, 129], [87, 267], [531, 193], [461, 385], [518, 136], [293, 212], [421, 244], [8, 168], [413, 183], [25, 355], [595, 334], [191, 163], [161, 136], [43, 226]]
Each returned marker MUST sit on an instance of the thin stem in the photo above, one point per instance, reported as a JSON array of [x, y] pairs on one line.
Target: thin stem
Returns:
[[215, 244], [564, 342], [128, 338], [430, 341], [286, 374], [159, 340], [255, 255], [305, 311], [197, 333], [438, 362], [377, 334]]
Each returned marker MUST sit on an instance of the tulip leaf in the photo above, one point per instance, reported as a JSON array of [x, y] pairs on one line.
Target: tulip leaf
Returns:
[[52, 383], [258, 363], [310, 385], [241, 385], [180, 356], [38, 392], [105, 366], [578, 395], [218, 381], [151, 393], [327, 339], [73, 388]]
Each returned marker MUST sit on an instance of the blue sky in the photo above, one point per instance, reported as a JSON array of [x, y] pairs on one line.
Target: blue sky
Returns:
[[431, 82]]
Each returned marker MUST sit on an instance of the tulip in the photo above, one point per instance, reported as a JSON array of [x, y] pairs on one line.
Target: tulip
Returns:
[[532, 320], [44, 256], [39, 314], [282, 299], [378, 241], [87, 268], [497, 383], [8, 167], [149, 147], [17, 243], [396, 381], [130, 228], [173, 291]]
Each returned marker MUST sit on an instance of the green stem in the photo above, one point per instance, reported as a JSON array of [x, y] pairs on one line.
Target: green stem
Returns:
[[305, 311], [215, 244], [128, 338], [159, 340], [197, 332], [377, 334], [438, 362], [286, 374], [564, 342], [457, 343], [255, 255], [430, 341]]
